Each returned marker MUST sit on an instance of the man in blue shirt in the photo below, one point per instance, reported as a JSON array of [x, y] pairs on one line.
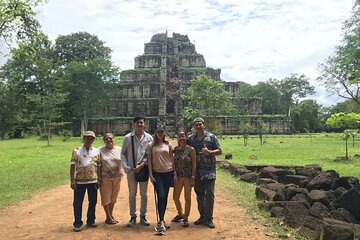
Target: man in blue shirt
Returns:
[[207, 147]]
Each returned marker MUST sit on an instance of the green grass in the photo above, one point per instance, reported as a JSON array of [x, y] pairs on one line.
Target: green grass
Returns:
[[324, 149], [29, 165]]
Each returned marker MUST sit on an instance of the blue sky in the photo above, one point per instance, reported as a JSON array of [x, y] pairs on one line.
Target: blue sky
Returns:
[[250, 40]]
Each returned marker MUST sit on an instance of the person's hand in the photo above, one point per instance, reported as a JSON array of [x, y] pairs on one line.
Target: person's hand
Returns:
[[205, 151], [152, 179], [175, 179], [192, 182], [73, 185], [99, 183], [138, 167]]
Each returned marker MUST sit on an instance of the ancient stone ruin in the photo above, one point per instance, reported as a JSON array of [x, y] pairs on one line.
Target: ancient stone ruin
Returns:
[[321, 204], [160, 76]]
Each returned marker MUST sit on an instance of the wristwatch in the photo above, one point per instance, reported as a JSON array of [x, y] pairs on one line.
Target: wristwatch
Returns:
[[211, 153]]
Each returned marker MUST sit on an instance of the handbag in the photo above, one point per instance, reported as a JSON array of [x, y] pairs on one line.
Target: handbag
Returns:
[[143, 174]]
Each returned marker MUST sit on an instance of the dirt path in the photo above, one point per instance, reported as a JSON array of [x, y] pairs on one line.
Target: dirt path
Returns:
[[48, 215]]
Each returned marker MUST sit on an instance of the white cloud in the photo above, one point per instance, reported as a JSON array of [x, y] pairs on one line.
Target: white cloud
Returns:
[[250, 40]]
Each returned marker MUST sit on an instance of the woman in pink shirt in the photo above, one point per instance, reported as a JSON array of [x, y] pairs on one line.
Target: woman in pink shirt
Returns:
[[161, 171]]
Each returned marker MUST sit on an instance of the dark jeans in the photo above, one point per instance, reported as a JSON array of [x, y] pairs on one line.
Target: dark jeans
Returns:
[[204, 190], [162, 186], [79, 194]]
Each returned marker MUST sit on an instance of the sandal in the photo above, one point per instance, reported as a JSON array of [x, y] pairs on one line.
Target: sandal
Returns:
[[111, 222]]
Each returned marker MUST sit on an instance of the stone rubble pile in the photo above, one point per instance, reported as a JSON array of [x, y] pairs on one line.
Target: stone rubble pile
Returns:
[[321, 204]]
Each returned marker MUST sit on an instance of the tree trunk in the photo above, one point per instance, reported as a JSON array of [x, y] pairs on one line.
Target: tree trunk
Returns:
[[347, 153]]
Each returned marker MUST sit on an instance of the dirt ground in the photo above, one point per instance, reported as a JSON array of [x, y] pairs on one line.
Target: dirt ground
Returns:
[[48, 215]]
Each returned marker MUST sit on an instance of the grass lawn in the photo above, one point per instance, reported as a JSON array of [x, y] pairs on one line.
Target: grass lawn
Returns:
[[327, 150], [29, 165]]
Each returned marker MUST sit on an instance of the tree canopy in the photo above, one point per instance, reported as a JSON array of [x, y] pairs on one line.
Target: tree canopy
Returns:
[[207, 98], [17, 20], [340, 73]]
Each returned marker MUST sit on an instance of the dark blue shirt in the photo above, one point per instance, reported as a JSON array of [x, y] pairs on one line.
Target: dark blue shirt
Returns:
[[205, 165]]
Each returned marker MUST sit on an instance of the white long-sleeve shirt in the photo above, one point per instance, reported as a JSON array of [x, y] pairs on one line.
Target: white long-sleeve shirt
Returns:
[[140, 146]]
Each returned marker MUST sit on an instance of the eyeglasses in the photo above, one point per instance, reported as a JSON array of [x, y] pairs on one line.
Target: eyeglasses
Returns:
[[109, 138]]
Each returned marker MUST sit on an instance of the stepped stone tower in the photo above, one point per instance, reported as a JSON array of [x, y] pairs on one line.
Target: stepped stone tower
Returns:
[[160, 76]]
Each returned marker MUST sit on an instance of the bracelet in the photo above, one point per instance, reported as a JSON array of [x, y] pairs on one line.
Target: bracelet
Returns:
[[211, 153], [193, 177]]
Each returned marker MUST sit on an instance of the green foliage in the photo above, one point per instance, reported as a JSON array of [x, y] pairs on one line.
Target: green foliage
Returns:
[[261, 129], [80, 47], [65, 134], [17, 20], [207, 98], [325, 150], [344, 120], [245, 129], [341, 71], [306, 115], [278, 95]]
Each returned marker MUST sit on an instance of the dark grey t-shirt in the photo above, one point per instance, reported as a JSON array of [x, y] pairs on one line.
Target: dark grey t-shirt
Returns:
[[205, 165]]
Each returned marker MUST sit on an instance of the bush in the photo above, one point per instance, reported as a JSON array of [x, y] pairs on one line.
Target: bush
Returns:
[[66, 134], [228, 156]]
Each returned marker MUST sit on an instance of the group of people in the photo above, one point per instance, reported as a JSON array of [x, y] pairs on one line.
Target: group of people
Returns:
[[191, 163]]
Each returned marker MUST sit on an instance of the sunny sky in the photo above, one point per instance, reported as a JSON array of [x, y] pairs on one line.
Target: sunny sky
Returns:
[[249, 40]]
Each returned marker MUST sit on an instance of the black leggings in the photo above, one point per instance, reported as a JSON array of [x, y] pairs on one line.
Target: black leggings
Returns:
[[162, 186]]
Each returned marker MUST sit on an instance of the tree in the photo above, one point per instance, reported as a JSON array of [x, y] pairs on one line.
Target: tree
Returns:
[[305, 116], [340, 73], [291, 89], [9, 114], [86, 64], [90, 88], [270, 95], [245, 128], [350, 121], [37, 84], [17, 20], [207, 98], [80, 47]]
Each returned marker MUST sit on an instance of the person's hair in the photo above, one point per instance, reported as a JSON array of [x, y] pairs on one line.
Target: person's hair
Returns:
[[157, 140], [109, 133], [138, 117]]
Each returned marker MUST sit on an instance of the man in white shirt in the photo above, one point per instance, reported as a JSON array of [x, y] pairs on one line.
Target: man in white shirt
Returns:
[[85, 162], [140, 141]]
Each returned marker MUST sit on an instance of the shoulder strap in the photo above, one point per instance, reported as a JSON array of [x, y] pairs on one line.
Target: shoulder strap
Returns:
[[133, 149]]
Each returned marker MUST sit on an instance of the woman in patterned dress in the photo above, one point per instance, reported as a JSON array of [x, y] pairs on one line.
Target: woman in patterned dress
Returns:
[[185, 165]]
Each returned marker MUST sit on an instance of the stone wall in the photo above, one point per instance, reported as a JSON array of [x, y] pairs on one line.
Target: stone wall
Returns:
[[274, 124], [322, 204]]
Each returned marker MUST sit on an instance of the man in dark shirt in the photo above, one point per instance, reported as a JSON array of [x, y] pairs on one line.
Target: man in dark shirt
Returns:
[[207, 147]]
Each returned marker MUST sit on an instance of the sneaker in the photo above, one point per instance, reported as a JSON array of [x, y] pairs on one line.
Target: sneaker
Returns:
[[177, 218], [210, 223], [201, 220], [92, 225], [77, 229], [132, 222], [144, 221], [160, 229], [185, 223]]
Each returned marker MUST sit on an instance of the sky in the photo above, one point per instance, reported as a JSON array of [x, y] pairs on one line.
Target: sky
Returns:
[[249, 40]]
